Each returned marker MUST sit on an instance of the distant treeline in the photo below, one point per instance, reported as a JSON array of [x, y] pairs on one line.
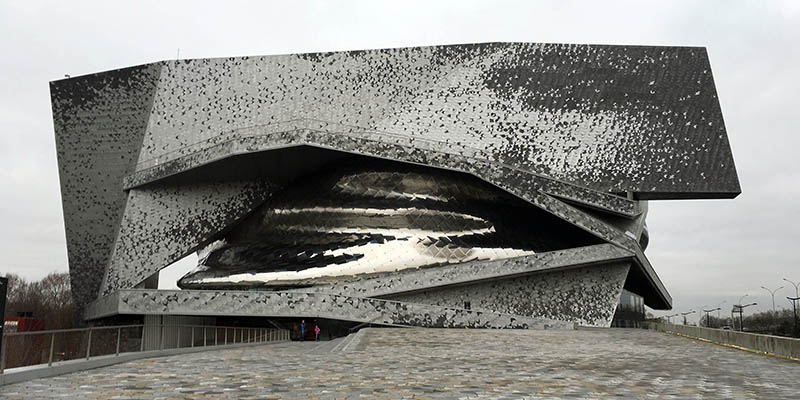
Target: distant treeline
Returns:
[[48, 299], [780, 322]]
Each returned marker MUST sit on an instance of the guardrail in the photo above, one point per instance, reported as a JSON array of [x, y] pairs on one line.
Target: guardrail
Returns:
[[774, 345], [21, 349]]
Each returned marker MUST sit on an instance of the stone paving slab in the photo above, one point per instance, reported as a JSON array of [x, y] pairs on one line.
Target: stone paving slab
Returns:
[[444, 363]]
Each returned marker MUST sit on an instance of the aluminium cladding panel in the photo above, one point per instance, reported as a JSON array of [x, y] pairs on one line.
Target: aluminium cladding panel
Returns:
[[641, 119], [99, 122], [164, 222], [586, 295], [316, 305], [331, 137]]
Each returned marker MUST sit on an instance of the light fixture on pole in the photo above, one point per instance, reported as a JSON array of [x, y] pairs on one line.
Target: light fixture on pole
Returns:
[[796, 287], [740, 309], [772, 292], [794, 300], [708, 320], [684, 314]]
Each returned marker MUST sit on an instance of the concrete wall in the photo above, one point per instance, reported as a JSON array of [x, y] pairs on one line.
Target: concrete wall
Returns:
[[776, 345]]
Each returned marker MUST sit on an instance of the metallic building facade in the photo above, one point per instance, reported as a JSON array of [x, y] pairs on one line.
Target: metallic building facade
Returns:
[[506, 178]]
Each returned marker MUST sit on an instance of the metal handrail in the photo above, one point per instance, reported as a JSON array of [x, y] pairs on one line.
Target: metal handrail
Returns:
[[254, 335], [70, 330]]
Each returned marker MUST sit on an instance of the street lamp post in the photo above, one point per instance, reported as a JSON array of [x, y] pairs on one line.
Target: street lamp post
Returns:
[[796, 287], [684, 314], [772, 292], [794, 301], [669, 317], [734, 310], [740, 309], [708, 320]]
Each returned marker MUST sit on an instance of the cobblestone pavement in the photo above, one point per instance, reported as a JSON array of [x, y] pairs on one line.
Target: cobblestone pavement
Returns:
[[433, 363]]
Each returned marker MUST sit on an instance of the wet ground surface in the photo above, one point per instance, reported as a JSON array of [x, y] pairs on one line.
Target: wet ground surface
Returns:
[[437, 363]]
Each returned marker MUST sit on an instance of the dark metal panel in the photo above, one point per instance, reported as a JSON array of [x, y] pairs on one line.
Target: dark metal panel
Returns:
[[99, 123]]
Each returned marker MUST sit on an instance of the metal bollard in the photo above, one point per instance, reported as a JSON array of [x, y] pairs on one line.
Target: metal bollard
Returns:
[[119, 335], [204, 336], [226, 336], [3, 356], [52, 342], [192, 336], [89, 345]]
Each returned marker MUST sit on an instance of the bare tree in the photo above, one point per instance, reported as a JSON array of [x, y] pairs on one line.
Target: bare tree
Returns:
[[49, 299]]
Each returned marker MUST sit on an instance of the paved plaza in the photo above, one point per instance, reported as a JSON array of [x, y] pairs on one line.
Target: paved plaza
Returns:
[[435, 363]]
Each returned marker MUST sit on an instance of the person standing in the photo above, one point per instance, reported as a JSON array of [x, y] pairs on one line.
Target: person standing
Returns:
[[302, 330], [316, 332]]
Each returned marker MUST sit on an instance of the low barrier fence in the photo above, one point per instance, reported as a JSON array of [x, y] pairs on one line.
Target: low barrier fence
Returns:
[[774, 345], [22, 349]]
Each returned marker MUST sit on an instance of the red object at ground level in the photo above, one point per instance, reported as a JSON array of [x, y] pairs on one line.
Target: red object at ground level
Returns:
[[22, 324]]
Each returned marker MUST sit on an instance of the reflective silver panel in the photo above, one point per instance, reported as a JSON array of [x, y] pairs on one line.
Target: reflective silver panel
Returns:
[[376, 219]]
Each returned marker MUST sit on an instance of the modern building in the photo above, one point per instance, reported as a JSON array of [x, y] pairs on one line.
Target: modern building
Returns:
[[476, 185]]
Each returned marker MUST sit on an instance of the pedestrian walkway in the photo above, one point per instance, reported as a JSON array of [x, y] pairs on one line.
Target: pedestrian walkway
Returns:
[[443, 363]]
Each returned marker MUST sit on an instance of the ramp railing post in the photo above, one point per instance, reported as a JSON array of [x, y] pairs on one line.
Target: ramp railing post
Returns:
[[119, 335], [89, 344], [52, 343], [3, 352]]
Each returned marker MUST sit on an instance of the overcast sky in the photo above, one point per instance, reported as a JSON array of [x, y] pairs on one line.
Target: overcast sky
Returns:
[[706, 252]]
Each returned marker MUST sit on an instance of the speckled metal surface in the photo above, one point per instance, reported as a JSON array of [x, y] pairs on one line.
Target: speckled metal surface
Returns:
[[581, 131], [587, 295], [99, 122], [164, 222], [612, 118], [315, 133], [311, 305]]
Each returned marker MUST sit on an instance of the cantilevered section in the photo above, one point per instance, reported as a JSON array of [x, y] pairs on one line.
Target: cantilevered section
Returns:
[[443, 144]]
